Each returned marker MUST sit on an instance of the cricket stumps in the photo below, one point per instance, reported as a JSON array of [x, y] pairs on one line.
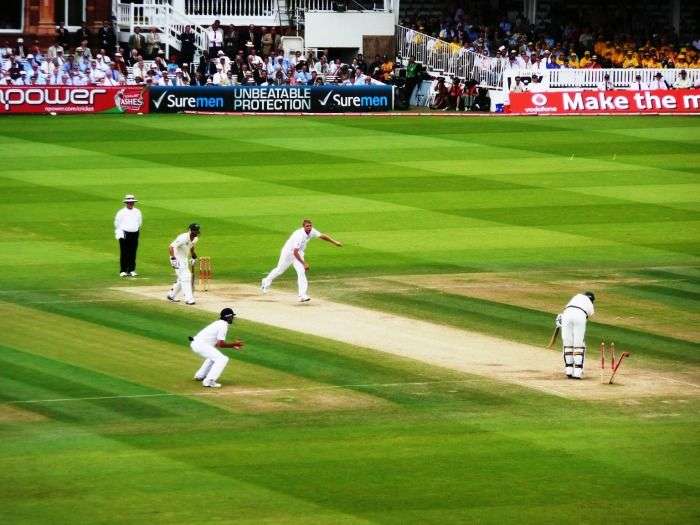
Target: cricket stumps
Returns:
[[609, 352], [204, 273]]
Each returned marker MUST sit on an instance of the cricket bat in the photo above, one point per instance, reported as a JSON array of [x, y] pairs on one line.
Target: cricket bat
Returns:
[[554, 337]]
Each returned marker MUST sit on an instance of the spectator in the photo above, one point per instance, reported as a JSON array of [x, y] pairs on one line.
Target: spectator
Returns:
[[638, 85], [133, 58], [387, 68], [187, 46], [606, 85], [441, 95], [106, 37], [215, 38], [469, 95], [153, 43], [82, 34], [139, 69], [266, 41], [519, 86], [230, 41], [63, 36], [455, 95], [658, 82], [253, 59], [137, 41], [630, 61], [683, 82], [250, 36], [321, 67]]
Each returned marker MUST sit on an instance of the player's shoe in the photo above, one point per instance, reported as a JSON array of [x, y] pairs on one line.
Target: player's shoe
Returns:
[[264, 287], [123, 274], [198, 378], [211, 384], [304, 299], [172, 299], [190, 303], [133, 274]]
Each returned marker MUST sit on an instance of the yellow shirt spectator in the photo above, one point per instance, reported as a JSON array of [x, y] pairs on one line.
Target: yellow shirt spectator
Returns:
[[630, 61]]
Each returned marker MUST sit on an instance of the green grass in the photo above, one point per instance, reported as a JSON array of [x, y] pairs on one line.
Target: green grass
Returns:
[[318, 431]]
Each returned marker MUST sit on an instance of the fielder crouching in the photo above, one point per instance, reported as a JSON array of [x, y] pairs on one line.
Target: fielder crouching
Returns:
[[573, 332], [206, 344]]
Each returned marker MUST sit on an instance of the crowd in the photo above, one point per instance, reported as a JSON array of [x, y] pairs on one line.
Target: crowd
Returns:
[[234, 56], [557, 43]]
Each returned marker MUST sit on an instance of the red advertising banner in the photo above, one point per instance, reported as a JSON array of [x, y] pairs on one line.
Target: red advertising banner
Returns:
[[605, 102], [73, 99]]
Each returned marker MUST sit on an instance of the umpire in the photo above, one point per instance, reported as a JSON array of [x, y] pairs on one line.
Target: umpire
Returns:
[[127, 224]]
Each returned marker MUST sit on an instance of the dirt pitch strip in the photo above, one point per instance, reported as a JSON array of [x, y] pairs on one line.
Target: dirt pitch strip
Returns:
[[439, 345]]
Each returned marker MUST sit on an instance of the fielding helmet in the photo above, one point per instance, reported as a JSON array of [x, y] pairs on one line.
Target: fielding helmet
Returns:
[[590, 295], [227, 314]]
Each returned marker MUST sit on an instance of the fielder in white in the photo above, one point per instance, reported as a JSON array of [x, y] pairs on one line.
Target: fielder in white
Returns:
[[573, 332], [206, 344], [182, 256], [293, 254]]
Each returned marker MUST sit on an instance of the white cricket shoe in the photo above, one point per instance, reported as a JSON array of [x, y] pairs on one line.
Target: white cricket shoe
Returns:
[[133, 274], [190, 303], [211, 384], [123, 274], [264, 287], [172, 299], [304, 299]]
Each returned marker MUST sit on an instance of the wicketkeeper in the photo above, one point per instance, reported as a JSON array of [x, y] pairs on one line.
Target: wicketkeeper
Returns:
[[573, 332]]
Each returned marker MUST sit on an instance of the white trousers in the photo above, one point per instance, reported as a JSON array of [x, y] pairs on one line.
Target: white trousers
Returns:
[[183, 283], [214, 361], [287, 259], [573, 333]]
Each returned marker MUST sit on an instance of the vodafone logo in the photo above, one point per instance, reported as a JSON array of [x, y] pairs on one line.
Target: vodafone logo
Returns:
[[539, 99]]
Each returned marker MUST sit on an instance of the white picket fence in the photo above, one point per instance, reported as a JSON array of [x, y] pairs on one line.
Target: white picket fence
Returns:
[[592, 78], [438, 56]]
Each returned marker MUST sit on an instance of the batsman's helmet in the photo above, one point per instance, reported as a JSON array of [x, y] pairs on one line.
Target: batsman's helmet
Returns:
[[227, 314], [590, 295], [194, 227]]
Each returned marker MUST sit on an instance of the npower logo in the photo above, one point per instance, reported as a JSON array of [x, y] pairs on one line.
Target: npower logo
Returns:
[[58, 96]]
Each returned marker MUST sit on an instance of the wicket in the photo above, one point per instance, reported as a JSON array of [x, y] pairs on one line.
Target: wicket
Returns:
[[204, 273], [613, 365]]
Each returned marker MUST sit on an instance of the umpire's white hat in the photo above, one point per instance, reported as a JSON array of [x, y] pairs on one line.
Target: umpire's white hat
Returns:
[[130, 198]]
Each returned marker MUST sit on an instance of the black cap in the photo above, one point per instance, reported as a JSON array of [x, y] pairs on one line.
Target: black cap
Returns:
[[194, 227], [227, 312], [590, 295]]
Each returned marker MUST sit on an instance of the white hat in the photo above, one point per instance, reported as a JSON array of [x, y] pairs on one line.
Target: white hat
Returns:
[[130, 198], [30, 56], [220, 53]]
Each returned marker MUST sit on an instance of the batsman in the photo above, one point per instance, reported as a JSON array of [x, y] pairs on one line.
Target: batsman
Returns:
[[573, 332]]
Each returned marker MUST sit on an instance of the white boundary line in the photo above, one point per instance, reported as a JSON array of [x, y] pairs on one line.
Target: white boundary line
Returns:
[[255, 391]]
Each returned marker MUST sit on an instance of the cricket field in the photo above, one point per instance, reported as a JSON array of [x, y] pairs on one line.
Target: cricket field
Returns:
[[477, 225]]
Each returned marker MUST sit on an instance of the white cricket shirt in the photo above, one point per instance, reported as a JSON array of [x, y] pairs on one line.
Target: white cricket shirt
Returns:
[[583, 302], [182, 246], [299, 239], [128, 220], [212, 333]]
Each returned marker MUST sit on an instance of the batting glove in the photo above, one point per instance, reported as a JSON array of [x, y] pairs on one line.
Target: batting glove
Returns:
[[557, 321], [173, 263]]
